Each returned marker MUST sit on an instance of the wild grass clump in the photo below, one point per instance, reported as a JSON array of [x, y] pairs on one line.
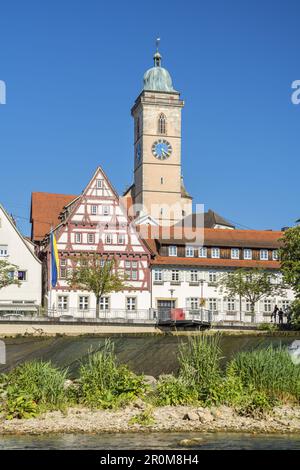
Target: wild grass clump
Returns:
[[200, 369], [105, 384], [173, 391], [270, 371], [33, 387], [144, 418]]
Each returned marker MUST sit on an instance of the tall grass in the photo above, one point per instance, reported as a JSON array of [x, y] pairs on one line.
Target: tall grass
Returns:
[[105, 384], [199, 361], [269, 370], [38, 381]]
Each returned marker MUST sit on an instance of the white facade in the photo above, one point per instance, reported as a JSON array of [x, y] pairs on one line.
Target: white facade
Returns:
[[193, 288], [18, 251]]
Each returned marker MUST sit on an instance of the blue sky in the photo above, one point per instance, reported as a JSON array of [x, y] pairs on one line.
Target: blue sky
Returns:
[[74, 68]]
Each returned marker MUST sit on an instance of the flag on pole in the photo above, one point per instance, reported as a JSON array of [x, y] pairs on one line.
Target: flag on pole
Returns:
[[54, 260]]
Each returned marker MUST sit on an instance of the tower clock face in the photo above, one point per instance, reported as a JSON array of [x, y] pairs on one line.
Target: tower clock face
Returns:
[[161, 149]]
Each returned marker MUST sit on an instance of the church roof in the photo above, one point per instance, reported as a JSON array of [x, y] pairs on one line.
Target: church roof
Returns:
[[158, 78], [210, 220], [45, 211]]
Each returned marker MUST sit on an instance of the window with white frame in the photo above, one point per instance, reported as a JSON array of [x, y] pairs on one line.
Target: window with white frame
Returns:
[[215, 252], [235, 253], [213, 304], [104, 303], [99, 184], [3, 250], [267, 306], [131, 303], [248, 306], [121, 239], [285, 304], [131, 270], [189, 251], [78, 237], [63, 268], [94, 209], [83, 302], [212, 277], [247, 253], [275, 255], [91, 238], [108, 238], [264, 255], [172, 250], [231, 305], [175, 275], [202, 252], [192, 303], [158, 275], [194, 275], [62, 302], [105, 210]]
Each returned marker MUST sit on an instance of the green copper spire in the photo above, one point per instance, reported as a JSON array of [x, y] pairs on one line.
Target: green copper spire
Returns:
[[157, 78]]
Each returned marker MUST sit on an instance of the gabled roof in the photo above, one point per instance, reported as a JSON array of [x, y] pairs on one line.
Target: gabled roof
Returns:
[[210, 220], [19, 233], [45, 211]]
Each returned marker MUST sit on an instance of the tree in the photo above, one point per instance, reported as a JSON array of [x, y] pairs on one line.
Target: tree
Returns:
[[96, 275], [251, 284], [7, 274], [289, 255]]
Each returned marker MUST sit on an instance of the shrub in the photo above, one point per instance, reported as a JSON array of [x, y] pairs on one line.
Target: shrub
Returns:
[[255, 404], [20, 407], [36, 381], [268, 327], [268, 370], [200, 368], [144, 418], [295, 314], [173, 391], [104, 384]]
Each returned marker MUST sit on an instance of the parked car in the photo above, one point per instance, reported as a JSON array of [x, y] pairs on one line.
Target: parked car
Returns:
[[12, 316], [67, 318]]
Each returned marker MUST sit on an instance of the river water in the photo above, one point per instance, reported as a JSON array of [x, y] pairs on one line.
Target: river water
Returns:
[[171, 441]]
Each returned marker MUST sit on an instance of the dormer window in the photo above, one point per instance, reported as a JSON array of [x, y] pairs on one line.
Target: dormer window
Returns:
[[172, 250], [264, 255], [235, 253], [189, 251], [162, 128], [215, 252]]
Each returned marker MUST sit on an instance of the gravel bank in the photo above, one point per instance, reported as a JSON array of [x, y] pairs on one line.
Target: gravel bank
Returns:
[[284, 419]]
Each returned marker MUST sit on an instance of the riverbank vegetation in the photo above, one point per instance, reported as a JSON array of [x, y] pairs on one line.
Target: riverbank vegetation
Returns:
[[252, 382]]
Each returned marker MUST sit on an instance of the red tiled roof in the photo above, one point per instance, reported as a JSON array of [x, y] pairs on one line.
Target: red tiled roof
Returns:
[[45, 210], [232, 263], [215, 237]]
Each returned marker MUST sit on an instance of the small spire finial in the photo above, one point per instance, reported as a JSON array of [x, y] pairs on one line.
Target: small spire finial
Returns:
[[157, 43]]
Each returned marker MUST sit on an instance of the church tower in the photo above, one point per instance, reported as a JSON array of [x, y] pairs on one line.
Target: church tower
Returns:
[[158, 185]]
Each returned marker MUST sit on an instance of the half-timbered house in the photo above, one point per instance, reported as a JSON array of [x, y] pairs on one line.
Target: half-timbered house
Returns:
[[96, 223]]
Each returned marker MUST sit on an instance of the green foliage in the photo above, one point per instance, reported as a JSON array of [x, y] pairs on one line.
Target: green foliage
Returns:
[[269, 370], [289, 255], [93, 276], [104, 384], [255, 404], [20, 407], [268, 327], [144, 418], [174, 391], [8, 274], [251, 284], [39, 382], [199, 361], [295, 314]]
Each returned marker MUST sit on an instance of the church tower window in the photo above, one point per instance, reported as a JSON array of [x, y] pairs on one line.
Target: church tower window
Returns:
[[162, 127]]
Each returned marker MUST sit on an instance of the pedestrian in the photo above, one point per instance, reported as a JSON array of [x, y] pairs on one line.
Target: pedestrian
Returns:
[[280, 316], [274, 314]]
